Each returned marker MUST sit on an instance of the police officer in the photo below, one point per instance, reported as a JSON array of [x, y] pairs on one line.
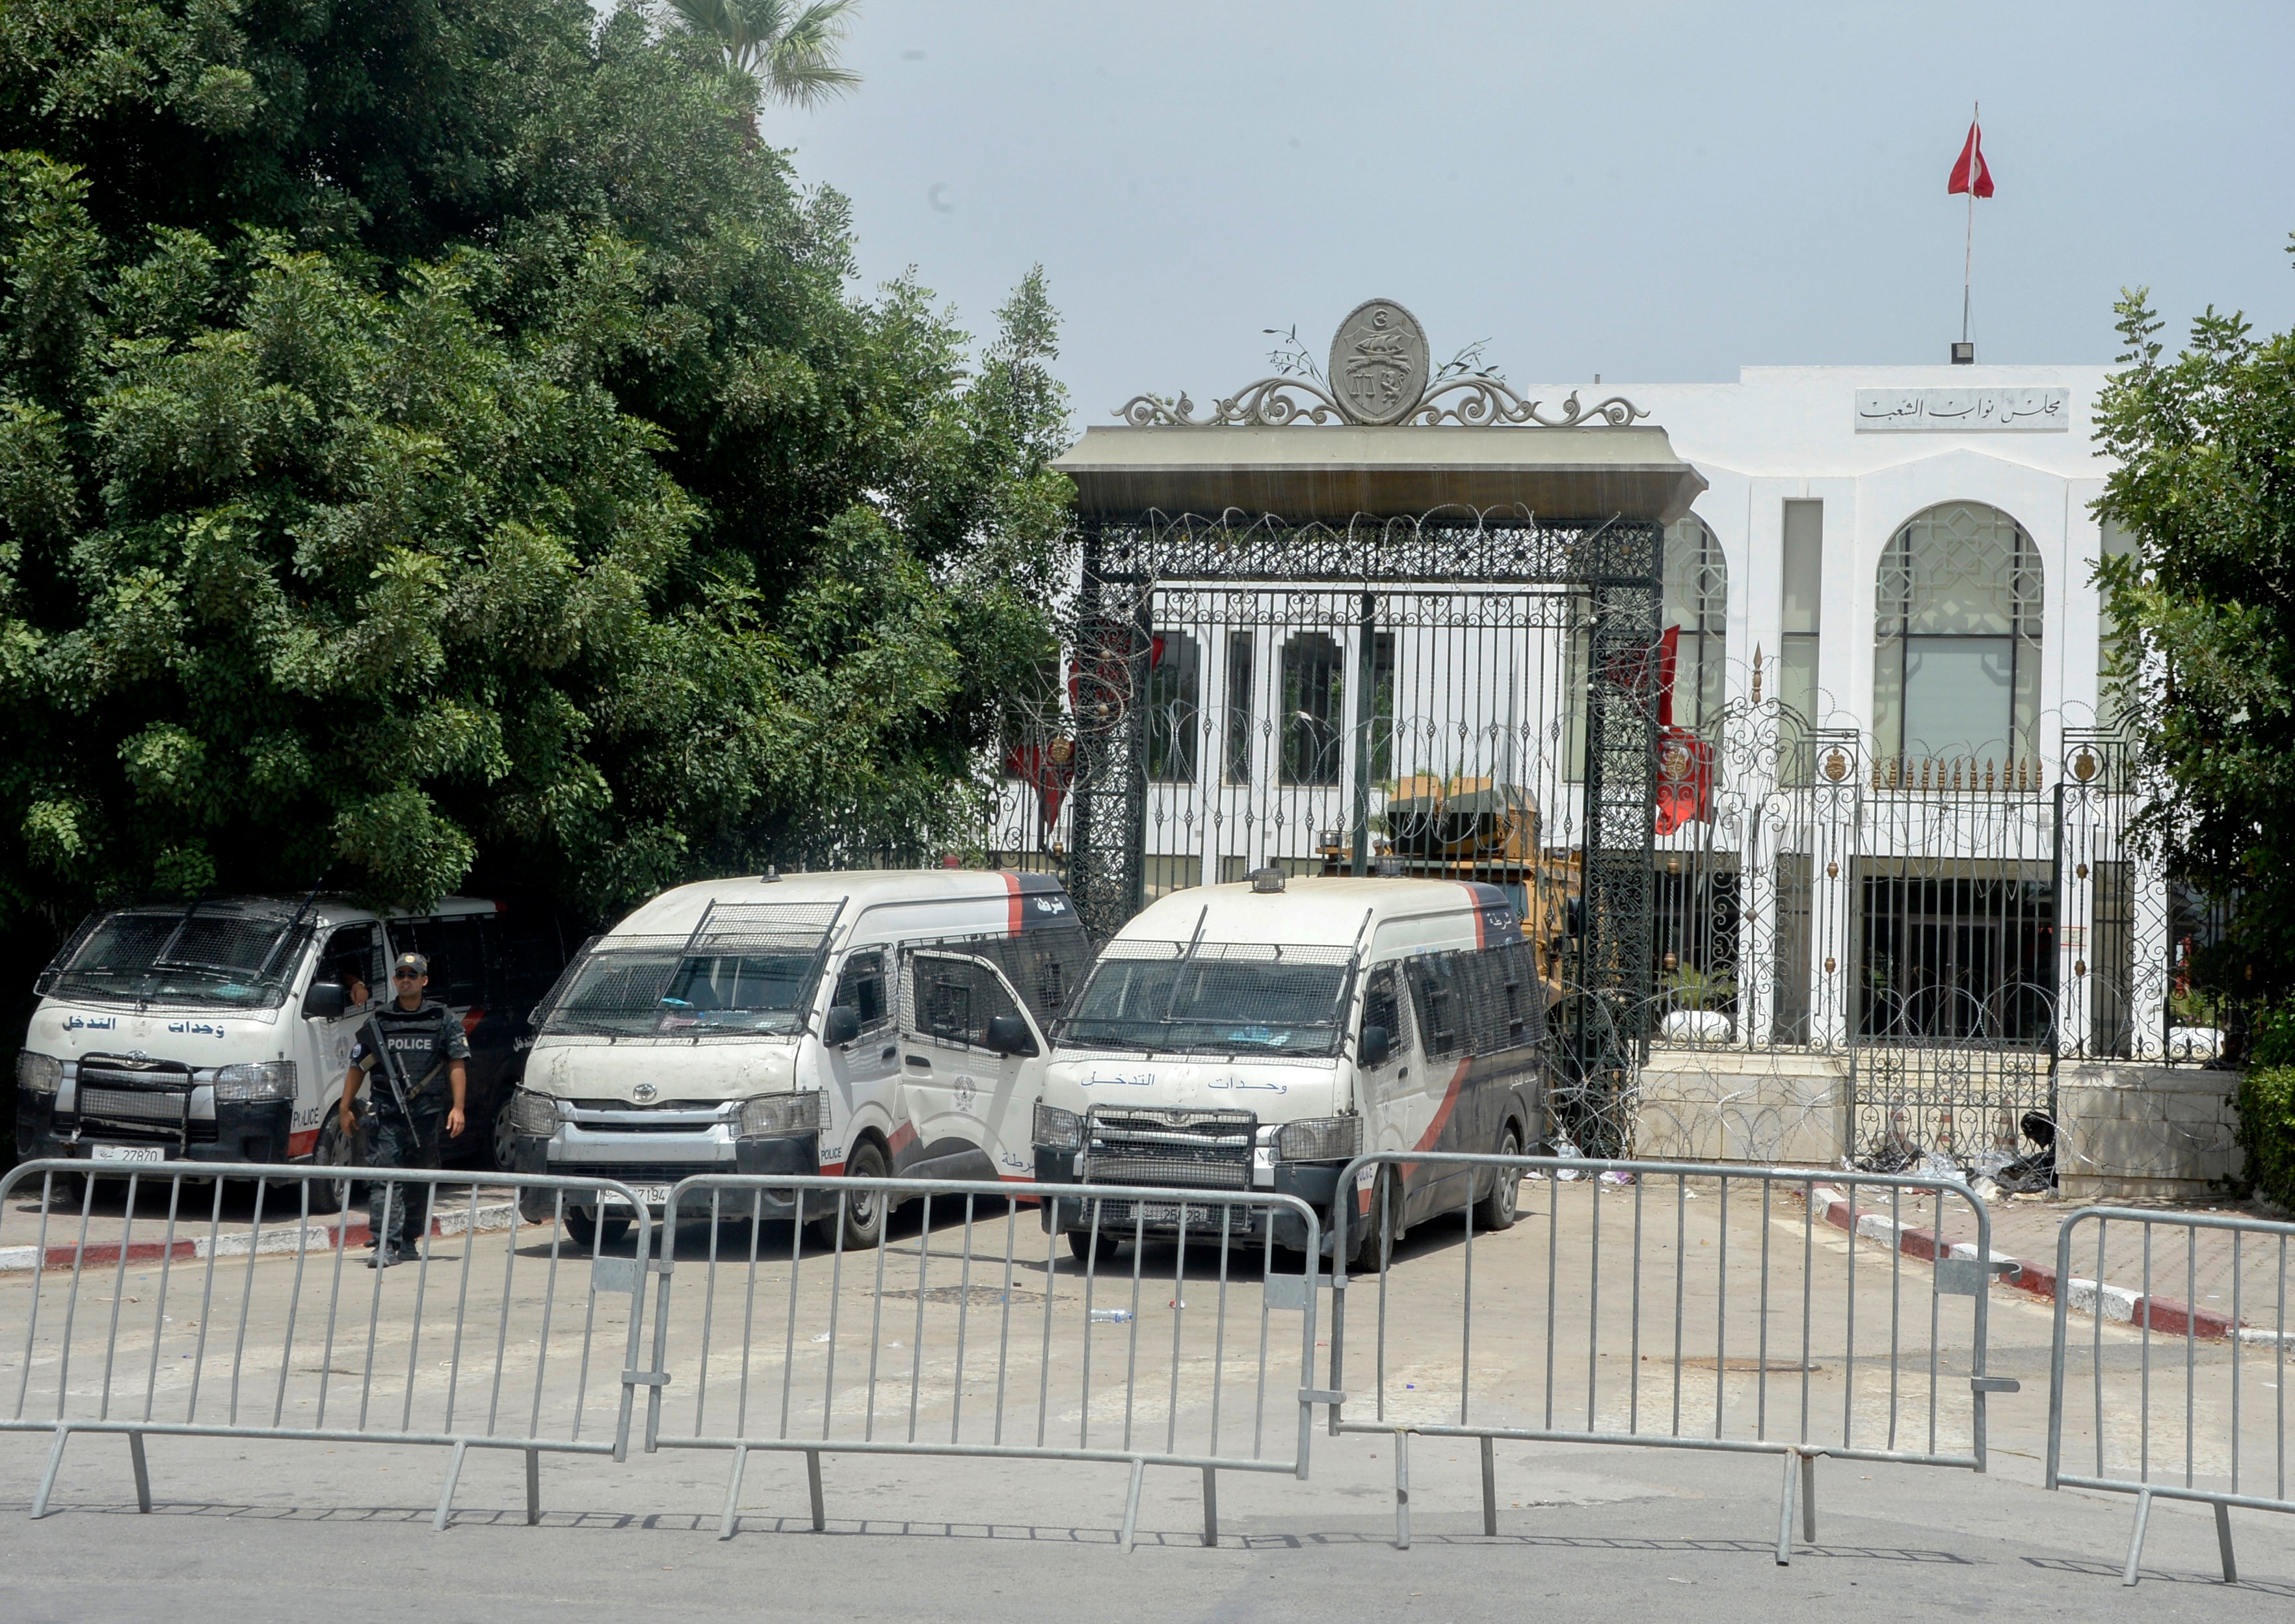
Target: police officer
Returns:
[[417, 1045]]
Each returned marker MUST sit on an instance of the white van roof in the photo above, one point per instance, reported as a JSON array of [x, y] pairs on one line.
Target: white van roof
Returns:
[[325, 911], [1317, 911], [678, 911]]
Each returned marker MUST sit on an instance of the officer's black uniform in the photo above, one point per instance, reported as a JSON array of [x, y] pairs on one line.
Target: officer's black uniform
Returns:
[[421, 1041]]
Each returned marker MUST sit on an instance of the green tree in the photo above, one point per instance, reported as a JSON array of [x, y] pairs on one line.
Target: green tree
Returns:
[[788, 54], [2205, 605], [437, 449]]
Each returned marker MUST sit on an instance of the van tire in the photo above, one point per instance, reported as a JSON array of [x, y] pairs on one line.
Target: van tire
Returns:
[[1496, 1211], [1080, 1245], [1375, 1236], [863, 1222], [589, 1230], [333, 1194], [502, 1137]]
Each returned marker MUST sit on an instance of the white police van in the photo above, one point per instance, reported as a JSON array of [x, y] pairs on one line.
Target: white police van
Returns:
[[865, 1023], [1260, 1034]]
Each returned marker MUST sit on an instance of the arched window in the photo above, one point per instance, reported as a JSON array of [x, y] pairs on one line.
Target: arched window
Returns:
[[1697, 601], [1174, 708], [1957, 638], [1314, 716]]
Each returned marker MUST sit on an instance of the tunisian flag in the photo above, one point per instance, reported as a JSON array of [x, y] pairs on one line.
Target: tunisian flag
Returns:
[[1971, 173]]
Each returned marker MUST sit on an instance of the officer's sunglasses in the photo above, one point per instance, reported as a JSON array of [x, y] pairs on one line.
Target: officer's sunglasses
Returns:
[[406, 975]]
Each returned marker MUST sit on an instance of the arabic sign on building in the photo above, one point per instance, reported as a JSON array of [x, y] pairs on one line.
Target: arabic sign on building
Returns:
[[2042, 409]]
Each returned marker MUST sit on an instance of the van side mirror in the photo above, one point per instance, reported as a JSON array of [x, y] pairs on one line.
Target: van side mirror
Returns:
[[1376, 1046], [842, 1025], [1009, 1035], [327, 1001]]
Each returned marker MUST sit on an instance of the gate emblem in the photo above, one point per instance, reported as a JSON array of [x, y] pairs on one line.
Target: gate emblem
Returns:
[[1379, 363]]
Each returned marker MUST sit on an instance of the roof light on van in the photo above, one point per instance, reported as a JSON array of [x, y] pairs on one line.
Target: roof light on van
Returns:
[[771, 877], [1267, 880]]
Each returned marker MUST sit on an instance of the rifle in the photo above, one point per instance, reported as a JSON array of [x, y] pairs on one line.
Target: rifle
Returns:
[[390, 1071]]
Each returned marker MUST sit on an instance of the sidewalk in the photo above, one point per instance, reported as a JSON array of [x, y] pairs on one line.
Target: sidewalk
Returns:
[[2215, 1281], [207, 1224]]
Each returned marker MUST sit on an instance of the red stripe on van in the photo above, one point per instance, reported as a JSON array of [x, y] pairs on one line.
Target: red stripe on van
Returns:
[[302, 1144], [1012, 885], [1433, 1134], [1475, 903]]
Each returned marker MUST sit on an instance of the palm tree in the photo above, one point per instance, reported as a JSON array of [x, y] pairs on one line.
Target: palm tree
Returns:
[[790, 53]]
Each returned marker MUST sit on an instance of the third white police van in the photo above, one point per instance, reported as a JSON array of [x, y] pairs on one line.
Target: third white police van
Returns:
[[864, 1023], [1259, 1035]]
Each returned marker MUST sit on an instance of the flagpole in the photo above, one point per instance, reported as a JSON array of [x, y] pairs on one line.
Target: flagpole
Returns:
[[1968, 259]]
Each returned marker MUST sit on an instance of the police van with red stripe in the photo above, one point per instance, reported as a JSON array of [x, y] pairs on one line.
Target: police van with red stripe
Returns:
[[1261, 1034], [864, 1023]]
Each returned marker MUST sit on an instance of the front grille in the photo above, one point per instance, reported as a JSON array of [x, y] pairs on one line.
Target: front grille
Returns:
[[693, 1125], [152, 1106], [1182, 1148], [128, 1099], [625, 1104]]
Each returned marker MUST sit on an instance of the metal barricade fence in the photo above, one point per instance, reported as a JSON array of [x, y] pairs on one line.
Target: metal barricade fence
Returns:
[[221, 1300], [1680, 1305], [980, 1334], [2172, 1409]]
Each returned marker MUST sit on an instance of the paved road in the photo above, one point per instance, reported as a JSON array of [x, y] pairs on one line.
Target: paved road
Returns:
[[261, 1533], [260, 1530]]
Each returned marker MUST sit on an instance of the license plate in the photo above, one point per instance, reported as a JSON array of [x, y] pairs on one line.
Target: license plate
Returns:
[[126, 1152], [648, 1194], [1171, 1213]]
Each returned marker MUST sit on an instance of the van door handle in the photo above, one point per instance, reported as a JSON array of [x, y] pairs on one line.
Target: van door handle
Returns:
[[1402, 1075], [920, 1060], [889, 1051]]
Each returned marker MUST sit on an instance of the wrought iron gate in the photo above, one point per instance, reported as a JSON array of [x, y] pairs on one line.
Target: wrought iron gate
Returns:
[[1457, 696]]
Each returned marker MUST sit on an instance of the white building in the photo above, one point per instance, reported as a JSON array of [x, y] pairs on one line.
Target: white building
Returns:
[[1816, 475], [1894, 898]]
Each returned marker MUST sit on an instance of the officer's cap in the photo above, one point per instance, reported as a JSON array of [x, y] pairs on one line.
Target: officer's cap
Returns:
[[415, 962]]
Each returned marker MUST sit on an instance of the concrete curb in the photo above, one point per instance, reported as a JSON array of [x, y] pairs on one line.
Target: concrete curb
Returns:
[[2115, 1304], [311, 1238]]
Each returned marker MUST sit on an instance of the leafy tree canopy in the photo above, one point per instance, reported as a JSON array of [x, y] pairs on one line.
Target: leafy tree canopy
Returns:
[[439, 447], [2205, 611]]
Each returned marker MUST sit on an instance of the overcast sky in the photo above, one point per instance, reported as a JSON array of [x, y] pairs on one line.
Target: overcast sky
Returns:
[[1653, 192]]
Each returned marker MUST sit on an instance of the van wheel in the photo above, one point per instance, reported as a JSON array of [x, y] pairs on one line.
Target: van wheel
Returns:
[[594, 1232], [332, 1150], [863, 1222], [502, 1137], [1080, 1246], [1374, 1238], [1496, 1211]]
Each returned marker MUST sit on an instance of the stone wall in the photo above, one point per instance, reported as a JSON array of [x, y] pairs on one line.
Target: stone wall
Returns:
[[1767, 1107], [2144, 1130]]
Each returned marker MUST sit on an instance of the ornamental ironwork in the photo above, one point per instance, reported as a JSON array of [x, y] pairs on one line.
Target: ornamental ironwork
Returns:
[[1381, 373]]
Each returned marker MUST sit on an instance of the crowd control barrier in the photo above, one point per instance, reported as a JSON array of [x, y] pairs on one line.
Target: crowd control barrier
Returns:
[[2152, 1408], [1692, 1306], [222, 1300], [1164, 1340]]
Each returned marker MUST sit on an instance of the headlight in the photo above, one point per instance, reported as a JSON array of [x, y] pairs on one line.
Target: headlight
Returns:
[[38, 1073], [771, 1116], [1059, 1130], [271, 1079], [532, 1114], [1319, 1139]]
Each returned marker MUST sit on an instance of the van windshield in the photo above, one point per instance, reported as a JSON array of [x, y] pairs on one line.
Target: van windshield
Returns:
[[222, 954], [1228, 999], [732, 978]]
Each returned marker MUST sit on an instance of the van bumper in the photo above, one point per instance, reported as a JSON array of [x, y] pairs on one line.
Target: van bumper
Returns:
[[1312, 1182], [666, 1159], [255, 1131]]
